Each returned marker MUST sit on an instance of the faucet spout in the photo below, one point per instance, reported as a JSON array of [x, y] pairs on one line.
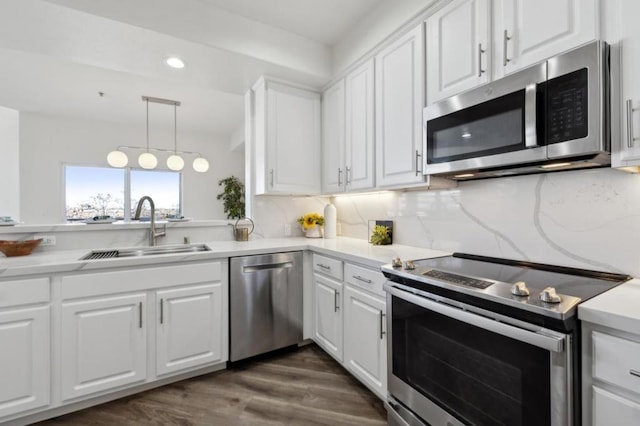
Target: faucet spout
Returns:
[[153, 234]]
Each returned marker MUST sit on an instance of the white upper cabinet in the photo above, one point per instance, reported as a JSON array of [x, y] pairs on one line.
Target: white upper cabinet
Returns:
[[333, 138], [348, 132], [287, 139], [528, 31], [626, 150], [399, 102], [359, 90], [458, 48]]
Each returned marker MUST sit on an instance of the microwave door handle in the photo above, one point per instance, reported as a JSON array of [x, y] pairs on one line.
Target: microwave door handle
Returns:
[[530, 125]]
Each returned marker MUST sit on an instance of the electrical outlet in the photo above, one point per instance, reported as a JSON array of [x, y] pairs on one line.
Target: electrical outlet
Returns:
[[287, 229], [47, 240]]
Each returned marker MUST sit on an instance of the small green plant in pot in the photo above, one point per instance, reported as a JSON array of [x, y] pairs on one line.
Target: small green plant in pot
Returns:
[[381, 235], [232, 197]]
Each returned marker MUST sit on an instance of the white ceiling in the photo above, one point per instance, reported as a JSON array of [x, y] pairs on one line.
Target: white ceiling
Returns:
[[58, 54], [325, 21]]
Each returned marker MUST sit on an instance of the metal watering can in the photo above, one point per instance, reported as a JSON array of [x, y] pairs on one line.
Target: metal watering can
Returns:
[[241, 232]]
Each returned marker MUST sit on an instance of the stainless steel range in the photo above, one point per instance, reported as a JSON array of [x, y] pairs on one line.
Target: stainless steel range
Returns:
[[485, 341]]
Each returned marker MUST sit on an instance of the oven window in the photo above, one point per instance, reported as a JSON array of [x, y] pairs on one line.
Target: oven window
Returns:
[[493, 127], [480, 377]]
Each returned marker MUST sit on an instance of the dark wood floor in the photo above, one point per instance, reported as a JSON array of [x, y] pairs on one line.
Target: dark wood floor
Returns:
[[301, 387]]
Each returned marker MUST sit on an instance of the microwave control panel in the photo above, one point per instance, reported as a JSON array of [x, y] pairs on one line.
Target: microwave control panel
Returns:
[[567, 107]]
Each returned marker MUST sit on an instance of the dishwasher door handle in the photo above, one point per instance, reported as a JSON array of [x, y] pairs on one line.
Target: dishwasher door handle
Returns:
[[267, 266]]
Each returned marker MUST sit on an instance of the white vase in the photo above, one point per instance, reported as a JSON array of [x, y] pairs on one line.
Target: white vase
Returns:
[[330, 221], [315, 232]]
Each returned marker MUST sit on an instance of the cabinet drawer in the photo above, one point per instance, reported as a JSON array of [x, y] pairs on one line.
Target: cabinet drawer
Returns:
[[616, 361], [328, 266], [22, 292], [365, 278]]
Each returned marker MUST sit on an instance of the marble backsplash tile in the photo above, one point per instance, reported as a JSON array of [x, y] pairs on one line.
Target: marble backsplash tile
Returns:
[[586, 219]]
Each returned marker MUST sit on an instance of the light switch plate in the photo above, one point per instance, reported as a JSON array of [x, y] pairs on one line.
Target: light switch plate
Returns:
[[287, 229]]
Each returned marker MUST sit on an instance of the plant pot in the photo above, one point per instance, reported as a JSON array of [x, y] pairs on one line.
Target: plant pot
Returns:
[[315, 232]]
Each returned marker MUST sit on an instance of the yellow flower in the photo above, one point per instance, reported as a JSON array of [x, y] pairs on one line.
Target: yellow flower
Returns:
[[310, 220]]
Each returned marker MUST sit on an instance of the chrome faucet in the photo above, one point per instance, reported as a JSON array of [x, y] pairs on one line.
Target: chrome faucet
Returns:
[[153, 235]]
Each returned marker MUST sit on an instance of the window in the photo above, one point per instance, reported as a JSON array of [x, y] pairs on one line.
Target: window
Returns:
[[104, 191]]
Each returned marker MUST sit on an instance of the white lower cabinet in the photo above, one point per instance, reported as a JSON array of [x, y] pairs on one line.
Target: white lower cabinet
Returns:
[[328, 315], [104, 344], [610, 376], [611, 409], [188, 330], [365, 343], [24, 359], [349, 319]]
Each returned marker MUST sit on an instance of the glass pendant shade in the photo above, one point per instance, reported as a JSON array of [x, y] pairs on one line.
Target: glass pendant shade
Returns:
[[117, 159], [147, 161], [200, 165], [175, 163]]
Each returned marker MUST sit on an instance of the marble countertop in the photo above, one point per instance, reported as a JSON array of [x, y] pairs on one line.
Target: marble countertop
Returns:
[[348, 249], [618, 308]]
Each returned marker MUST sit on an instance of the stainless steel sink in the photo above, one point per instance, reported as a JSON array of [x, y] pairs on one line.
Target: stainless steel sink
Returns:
[[144, 251]]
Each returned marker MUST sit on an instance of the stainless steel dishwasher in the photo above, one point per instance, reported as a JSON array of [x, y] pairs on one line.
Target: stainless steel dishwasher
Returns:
[[265, 297]]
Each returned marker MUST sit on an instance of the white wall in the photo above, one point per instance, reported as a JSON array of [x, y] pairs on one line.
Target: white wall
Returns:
[[47, 143], [9, 157]]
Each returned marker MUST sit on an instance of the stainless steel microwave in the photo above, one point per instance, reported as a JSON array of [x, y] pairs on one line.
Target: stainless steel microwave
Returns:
[[550, 116]]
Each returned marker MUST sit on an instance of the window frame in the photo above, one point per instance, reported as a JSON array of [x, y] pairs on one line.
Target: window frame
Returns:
[[127, 187]]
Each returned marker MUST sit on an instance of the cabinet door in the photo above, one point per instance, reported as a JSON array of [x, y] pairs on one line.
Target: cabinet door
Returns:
[[359, 143], [536, 30], [399, 102], [24, 360], [333, 139], [328, 315], [104, 344], [629, 150], [458, 50], [611, 409], [190, 327], [293, 140], [365, 343]]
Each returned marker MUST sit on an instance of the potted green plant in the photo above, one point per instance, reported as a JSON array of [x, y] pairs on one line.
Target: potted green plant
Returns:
[[381, 235], [232, 197]]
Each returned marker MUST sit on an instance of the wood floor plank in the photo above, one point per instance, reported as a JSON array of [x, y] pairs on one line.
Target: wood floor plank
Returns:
[[300, 387]]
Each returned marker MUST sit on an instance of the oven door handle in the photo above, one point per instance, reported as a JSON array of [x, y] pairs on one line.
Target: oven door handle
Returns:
[[550, 343]]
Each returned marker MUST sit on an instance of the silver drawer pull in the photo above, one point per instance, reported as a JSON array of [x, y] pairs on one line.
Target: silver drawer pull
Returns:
[[634, 373], [323, 266], [359, 278]]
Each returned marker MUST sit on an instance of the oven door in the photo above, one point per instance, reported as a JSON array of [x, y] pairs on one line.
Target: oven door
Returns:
[[454, 364], [493, 125]]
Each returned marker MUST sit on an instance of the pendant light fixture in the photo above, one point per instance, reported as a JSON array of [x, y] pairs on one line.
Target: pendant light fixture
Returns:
[[175, 162], [147, 160]]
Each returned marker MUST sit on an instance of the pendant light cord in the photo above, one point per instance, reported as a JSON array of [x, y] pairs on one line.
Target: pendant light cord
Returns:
[[175, 128], [147, 125]]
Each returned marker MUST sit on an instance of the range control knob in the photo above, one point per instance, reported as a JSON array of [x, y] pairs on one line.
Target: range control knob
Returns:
[[520, 289], [409, 265], [396, 262], [549, 295]]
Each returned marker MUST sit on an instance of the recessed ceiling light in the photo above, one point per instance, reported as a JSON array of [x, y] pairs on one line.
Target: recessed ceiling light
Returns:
[[175, 62]]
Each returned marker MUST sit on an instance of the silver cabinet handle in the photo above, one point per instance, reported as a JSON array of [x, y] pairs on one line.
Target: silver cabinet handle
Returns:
[[382, 332], [271, 173], [336, 294], [359, 278], [161, 311], [323, 266], [339, 176], [139, 314], [505, 40], [418, 156], [480, 52], [347, 174], [634, 373], [630, 110]]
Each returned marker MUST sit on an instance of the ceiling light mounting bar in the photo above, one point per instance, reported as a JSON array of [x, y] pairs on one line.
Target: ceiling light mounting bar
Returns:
[[161, 101], [157, 150]]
